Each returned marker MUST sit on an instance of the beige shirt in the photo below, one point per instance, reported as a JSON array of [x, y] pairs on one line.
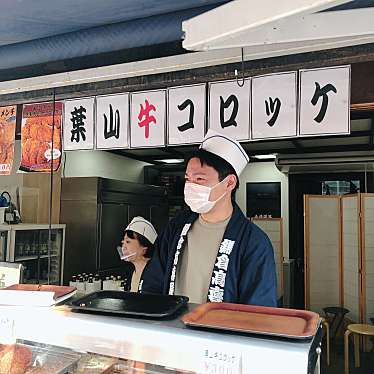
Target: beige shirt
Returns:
[[135, 280], [195, 266]]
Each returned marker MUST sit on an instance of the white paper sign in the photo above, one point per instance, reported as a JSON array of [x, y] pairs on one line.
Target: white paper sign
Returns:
[[78, 127], [229, 108], [112, 121], [7, 330], [148, 114], [274, 109], [325, 101], [217, 361], [186, 114]]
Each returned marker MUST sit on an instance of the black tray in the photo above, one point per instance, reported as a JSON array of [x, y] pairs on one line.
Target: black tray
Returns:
[[130, 304]]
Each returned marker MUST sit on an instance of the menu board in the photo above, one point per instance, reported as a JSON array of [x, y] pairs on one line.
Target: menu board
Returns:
[[41, 137], [7, 138]]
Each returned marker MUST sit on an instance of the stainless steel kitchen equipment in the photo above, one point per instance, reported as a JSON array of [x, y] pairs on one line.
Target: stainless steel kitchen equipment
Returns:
[[96, 212]]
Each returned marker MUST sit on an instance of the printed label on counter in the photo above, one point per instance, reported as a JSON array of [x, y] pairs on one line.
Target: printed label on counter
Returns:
[[220, 361]]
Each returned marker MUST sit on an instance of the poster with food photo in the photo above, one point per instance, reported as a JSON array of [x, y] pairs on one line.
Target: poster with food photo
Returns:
[[7, 138], [41, 140]]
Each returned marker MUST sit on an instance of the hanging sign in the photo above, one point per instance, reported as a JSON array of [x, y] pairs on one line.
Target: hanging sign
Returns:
[[186, 114], [79, 124], [324, 101], [7, 138], [41, 136], [274, 108], [148, 115], [112, 121], [229, 108]]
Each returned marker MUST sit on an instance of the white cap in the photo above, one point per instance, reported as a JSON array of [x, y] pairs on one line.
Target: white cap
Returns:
[[226, 148], [143, 227]]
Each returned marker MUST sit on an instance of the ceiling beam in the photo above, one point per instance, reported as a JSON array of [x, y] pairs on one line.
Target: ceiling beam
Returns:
[[321, 149], [219, 27], [371, 141], [318, 29], [354, 134], [297, 144], [128, 154], [173, 152]]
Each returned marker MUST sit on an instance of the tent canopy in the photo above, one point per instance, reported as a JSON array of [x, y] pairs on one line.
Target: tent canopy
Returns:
[[283, 27]]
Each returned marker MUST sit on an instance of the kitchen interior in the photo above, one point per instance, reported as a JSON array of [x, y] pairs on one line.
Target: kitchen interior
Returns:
[[96, 193]]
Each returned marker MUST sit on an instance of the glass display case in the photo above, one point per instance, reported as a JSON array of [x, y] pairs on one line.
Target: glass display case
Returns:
[[26, 357], [28, 244], [80, 342]]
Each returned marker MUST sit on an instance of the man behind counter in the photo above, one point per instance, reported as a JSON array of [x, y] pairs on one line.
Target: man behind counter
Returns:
[[213, 252]]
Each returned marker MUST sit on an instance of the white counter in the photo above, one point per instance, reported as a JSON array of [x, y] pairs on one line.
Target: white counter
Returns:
[[166, 343]]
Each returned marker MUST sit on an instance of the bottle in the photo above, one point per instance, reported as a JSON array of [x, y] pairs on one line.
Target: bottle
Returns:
[[97, 282], [73, 282], [81, 287], [107, 283], [90, 287], [123, 286], [113, 286], [118, 283]]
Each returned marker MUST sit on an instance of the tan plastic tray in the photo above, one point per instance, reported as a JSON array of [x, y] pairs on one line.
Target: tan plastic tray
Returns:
[[288, 323], [59, 291]]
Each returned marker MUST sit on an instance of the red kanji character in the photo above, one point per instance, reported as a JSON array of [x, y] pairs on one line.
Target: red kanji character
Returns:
[[144, 113]]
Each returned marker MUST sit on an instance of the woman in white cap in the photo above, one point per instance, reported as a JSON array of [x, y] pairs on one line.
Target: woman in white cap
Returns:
[[137, 247], [213, 252]]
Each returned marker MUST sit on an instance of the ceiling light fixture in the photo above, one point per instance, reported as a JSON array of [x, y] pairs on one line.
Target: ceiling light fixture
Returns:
[[171, 160], [265, 157]]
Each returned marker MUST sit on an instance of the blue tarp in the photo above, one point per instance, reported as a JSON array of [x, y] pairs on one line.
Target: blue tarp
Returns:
[[34, 32]]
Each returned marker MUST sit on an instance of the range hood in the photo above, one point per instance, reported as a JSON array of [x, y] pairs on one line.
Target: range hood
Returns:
[[326, 162]]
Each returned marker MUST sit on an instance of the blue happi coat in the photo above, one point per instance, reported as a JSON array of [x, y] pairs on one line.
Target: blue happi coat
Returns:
[[244, 271]]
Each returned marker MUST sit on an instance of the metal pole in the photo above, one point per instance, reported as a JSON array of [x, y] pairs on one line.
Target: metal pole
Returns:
[[51, 190]]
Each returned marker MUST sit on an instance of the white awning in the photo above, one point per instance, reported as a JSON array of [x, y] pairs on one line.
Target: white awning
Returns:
[[269, 28]]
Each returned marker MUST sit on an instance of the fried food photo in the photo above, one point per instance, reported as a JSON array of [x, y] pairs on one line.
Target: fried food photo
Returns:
[[14, 359], [37, 139]]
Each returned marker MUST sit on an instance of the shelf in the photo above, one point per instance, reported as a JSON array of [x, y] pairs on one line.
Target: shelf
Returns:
[[28, 258], [25, 258], [33, 281]]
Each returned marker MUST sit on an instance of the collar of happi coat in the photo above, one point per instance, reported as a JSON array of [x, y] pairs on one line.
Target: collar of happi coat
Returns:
[[218, 279]]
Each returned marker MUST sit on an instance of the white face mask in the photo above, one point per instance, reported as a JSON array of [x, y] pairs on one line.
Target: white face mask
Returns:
[[196, 197]]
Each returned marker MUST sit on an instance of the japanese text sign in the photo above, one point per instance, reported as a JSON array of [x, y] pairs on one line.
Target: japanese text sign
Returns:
[[274, 108], [229, 108], [79, 124], [148, 117], [324, 101], [186, 114], [112, 121], [7, 138]]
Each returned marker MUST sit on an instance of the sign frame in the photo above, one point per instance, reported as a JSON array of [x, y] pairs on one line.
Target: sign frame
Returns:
[[93, 124], [296, 109], [127, 124], [249, 79], [205, 112], [299, 134], [164, 121]]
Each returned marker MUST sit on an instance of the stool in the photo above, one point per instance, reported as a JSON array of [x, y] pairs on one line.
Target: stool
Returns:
[[357, 330], [338, 317], [325, 324]]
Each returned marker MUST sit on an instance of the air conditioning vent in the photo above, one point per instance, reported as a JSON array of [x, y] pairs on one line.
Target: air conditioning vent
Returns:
[[326, 162]]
